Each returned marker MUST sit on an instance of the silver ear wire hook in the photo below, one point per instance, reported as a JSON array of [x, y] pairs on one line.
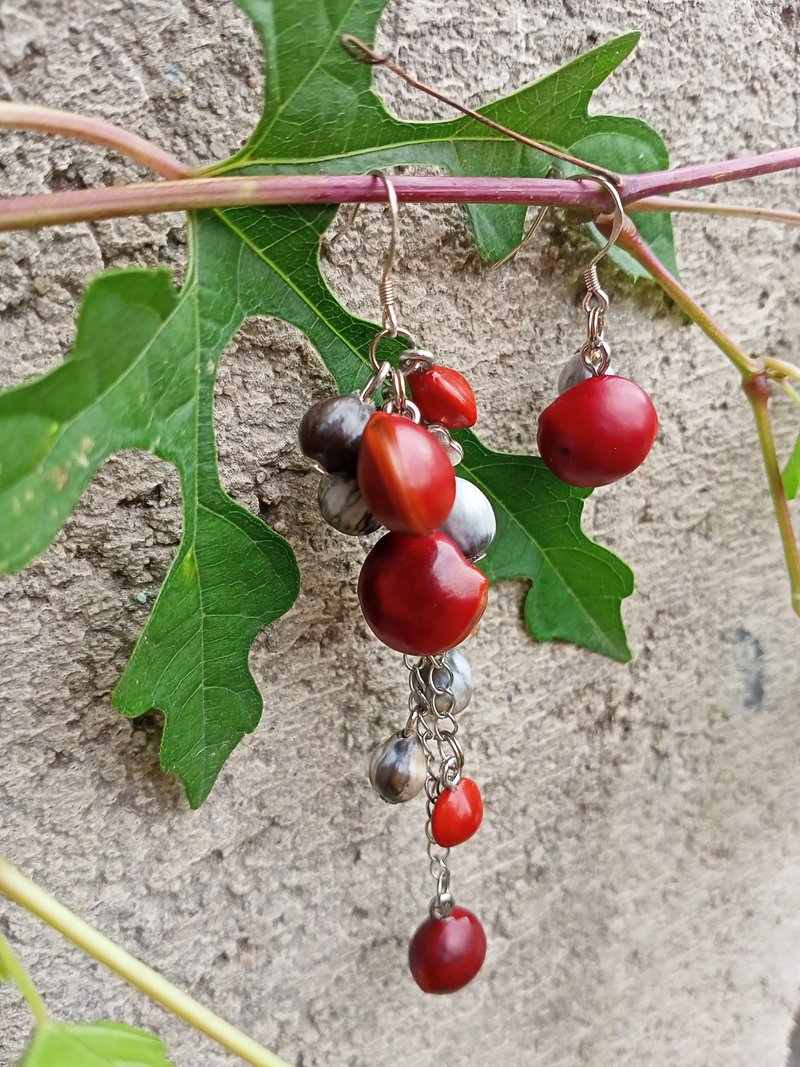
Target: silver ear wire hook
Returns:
[[595, 352], [386, 285], [618, 218], [531, 230]]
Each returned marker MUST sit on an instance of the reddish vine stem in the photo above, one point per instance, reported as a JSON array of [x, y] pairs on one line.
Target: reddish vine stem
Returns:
[[81, 205], [191, 194], [754, 382]]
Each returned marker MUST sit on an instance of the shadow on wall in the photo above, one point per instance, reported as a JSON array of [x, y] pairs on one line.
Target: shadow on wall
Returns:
[[794, 1043]]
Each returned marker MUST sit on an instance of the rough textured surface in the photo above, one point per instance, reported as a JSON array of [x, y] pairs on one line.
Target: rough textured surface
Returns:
[[638, 866]]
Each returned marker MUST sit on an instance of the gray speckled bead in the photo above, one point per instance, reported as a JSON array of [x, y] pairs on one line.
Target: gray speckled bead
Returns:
[[461, 685], [343, 507], [575, 371], [397, 769], [330, 432], [471, 522]]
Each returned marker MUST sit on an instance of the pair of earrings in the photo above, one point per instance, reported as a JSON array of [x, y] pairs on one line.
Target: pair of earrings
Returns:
[[386, 458]]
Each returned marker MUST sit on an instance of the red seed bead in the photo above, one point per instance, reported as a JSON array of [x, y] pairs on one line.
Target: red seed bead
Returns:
[[444, 396], [446, 954], [420, 595], [457, 813], [598, 431], [404, 474]]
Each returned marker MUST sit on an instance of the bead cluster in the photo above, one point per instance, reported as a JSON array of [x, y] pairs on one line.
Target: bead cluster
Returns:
[[386, 460]]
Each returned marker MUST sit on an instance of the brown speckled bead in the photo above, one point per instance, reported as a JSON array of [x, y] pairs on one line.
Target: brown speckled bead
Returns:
[[397, 769], [330, 432]]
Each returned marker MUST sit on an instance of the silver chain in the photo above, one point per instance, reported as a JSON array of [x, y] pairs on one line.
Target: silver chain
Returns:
[[436, 728]]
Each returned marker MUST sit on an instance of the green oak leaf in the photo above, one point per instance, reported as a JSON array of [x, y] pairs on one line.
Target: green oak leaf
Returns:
[[322, 115], [94, 1045], [141, 375], [577, 586], [791, 472]]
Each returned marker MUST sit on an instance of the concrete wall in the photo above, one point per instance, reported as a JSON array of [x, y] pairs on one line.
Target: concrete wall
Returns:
[[638, 868]]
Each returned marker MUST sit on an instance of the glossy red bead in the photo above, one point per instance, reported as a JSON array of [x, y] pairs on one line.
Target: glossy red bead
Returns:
[[457, 813], [404, 474], [421, 595], [597, 431], [444, 396], [446, 954]]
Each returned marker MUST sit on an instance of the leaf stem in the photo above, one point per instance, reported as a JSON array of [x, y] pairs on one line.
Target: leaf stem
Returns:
[[364, 54], [95, 131], [10, 963], [780, 368], [699, 207], [755, 383], [632, 243], [25, 892], [757, 392]]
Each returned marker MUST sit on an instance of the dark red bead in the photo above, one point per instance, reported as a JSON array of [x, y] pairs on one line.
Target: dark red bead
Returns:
[[404, 474], [446, 954], [420, 595], [444, 396], [457, 813], [598, 431]]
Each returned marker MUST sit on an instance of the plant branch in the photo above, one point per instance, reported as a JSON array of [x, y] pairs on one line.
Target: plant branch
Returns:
[[694, 176], [632, 243], [189, 194], [10, 964], [95, 131], [700, 207], [754, 383], [17, 887], [81, 205]]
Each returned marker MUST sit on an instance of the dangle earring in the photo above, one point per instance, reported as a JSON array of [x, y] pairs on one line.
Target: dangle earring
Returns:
[[602, 426], [387, 459]]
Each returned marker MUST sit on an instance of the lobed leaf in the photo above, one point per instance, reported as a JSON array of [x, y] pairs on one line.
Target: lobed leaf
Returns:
[[577, 586]]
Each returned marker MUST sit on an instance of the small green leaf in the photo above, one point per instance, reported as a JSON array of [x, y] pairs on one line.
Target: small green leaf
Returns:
[[791, 472], [94, 1045], [577, 586]]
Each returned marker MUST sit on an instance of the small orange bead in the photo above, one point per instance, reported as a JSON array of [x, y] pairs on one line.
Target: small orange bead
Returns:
[[444, 396], [457, 814]]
